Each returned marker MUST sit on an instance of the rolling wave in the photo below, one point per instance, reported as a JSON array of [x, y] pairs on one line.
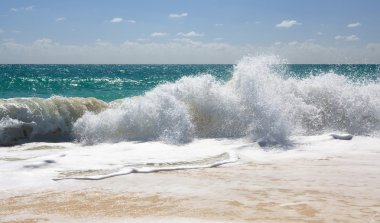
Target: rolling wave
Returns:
[[37, 119]]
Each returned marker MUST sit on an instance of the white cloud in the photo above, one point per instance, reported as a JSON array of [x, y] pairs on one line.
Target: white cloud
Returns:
[[43, 41], [277, 43], [319, 33], [352, 38], [374, 47], [1, 30], [28, 8], [219, 25], [158, 34], [190, 34], [101, 43], [314, 53], [353, 25], [218, 39], [182, 50], [117, 20], [174, 15], [60, 19], [179, 52], [287, 24], [8, 40], [186, 41], [347, 38], [143, 40], [292, 43]]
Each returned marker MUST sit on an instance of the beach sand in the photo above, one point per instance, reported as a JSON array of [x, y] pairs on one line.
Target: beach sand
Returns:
[[329, 189]]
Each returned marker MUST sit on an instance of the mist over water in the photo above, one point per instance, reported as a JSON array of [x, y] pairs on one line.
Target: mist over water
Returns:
[[262, 98]]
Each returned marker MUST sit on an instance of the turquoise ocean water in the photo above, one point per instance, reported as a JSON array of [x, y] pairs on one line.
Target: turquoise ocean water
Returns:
[[110, 82], [105, 82], [255, 98]]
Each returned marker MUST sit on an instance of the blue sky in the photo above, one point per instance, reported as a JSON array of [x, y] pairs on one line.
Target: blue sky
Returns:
[[192, 31]]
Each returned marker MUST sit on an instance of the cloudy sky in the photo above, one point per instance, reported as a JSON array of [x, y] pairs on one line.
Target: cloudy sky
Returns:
[[188, 31]]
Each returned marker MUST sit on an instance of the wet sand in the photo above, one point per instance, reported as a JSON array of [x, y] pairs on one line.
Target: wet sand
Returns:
[[332, 189]]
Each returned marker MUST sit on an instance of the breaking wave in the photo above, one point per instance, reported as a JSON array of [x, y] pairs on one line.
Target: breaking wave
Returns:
[[37, 119], [258, 102]]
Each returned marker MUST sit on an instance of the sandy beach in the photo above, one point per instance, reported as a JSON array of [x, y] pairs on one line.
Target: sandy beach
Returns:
[[208, 111], [332, 188]]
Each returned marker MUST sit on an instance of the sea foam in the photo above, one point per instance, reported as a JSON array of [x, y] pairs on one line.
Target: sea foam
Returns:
[[31, 119], [259, 102]]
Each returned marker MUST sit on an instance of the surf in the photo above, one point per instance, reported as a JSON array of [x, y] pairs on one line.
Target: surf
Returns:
[[37, 119], [260, 102]]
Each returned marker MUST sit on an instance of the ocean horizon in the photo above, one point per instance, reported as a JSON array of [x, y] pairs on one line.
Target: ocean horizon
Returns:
[[64, 124], [183, 111]]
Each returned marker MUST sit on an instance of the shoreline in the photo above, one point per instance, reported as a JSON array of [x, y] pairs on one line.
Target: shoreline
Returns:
[[331, 189]]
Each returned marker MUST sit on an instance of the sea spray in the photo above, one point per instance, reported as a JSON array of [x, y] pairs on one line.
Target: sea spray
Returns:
[[151, 117], [250, 104], [333, 102], [258, 102], [30, 119], [262, 95], [261, 101]]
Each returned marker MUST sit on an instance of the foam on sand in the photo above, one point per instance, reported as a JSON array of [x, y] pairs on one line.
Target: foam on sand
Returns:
[[209, 162], [311, 182]]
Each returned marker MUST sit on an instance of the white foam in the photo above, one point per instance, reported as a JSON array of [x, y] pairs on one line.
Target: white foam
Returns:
[[28, 119], [258, 103], [34, 166]]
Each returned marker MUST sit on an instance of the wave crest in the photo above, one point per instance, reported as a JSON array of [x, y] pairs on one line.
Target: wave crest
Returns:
[[258, 102], [33, 119]]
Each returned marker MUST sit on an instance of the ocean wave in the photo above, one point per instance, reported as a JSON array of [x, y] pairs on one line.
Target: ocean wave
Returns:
[[37, 119], [258, 102]]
